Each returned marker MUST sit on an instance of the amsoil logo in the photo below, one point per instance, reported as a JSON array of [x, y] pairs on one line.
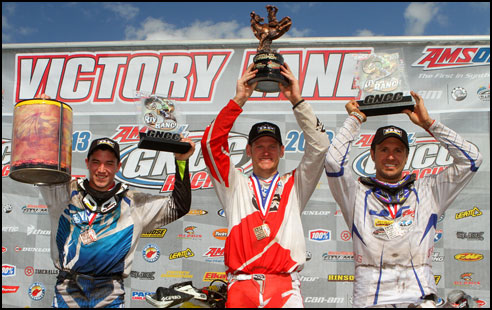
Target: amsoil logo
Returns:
[[426, 156], [215, 252], [444, 57], [156, 170]]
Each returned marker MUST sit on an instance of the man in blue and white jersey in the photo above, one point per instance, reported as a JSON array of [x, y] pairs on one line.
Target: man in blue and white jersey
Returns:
[[393, 218], [96, 224]]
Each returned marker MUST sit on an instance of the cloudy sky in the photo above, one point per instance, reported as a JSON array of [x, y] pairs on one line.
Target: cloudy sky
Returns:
[[99, 21]]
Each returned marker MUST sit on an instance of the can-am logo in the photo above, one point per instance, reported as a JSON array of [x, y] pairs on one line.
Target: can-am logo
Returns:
[[156, 170], [426, 156]]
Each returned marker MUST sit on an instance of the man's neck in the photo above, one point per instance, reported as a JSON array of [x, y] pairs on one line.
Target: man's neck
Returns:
[[265, 174], [385, 180]]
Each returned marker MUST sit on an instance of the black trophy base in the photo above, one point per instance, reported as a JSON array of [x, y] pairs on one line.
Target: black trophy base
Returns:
[[385, 104], [162, 144], [268, 75]]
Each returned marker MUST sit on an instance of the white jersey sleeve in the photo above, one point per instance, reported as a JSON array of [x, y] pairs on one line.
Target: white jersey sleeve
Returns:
[[466, 160], [340, 179], [310, 168]]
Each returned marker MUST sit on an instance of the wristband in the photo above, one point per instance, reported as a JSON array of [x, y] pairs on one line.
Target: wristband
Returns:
[[295, 105], [181, 167], [358, 116]]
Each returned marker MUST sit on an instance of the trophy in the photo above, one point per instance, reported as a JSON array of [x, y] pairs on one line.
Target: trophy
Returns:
[[266, 60], [163, 133], [382, 81]]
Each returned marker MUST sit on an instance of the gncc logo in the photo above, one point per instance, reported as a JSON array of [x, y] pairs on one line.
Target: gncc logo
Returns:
[[426, 156], [155, 170]]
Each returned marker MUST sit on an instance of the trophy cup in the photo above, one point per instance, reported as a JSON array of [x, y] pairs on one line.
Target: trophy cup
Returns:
[[382, 81], [266, 60], [163, 133]]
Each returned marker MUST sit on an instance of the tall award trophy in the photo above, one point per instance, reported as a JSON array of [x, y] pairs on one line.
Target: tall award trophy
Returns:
[[266, 60], [158, 115], [381, 79]]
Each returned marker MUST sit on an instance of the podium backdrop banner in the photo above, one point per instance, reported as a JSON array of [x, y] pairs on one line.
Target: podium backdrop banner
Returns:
[[99, 81]]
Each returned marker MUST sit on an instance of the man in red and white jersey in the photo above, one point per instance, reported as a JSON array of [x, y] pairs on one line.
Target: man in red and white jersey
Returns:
[[265, 248]]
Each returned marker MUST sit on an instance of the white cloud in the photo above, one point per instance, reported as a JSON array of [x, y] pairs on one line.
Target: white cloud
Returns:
[[6, 35], [364, 33], [156, 29], [418, 15], [123, 10]]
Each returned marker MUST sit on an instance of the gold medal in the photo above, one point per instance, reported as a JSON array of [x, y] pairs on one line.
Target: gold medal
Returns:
[[262, 232]]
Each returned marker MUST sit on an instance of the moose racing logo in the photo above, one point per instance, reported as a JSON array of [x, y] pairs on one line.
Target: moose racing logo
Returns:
[[426, 156]]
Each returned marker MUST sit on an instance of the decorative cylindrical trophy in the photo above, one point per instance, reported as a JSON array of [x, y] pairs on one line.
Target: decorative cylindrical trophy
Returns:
[[41, 142], [381, 79], [163, 131], [266, 60]]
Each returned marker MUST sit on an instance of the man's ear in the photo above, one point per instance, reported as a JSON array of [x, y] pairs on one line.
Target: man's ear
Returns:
[[372, 154], [248, 150], [282, 151]]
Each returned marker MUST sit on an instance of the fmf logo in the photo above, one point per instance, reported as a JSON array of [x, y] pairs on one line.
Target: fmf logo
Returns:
[[443, 57], [468, 257], [426, 156], [156, 170], [319, 235]]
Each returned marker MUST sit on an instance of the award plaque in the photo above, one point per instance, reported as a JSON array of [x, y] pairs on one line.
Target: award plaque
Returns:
[[382, 81], [266, 60], [158, 115]]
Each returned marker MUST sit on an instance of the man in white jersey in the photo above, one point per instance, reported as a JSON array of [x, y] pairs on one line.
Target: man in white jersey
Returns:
[[393, 218], [265, 247]]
